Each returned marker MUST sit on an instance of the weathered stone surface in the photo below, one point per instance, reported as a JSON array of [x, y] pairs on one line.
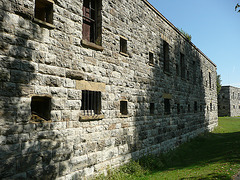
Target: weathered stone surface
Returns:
[[36, 60]]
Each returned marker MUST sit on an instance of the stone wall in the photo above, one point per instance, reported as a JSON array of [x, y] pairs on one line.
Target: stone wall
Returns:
[[51, 61], [229, 101]]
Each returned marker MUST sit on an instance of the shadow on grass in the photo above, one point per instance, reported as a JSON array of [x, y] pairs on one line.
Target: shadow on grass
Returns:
[[207, 149]]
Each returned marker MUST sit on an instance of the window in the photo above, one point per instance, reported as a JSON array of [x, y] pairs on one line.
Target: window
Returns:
[[195, 106], [44, 10], [151, 58], [91, 102], [123, 45], [152, 108], [211, 107], [238, 107], [201, 108], [182, 65], [41, 107], [189, 108], [233, 95], [194, 72], [233, 106], [166, 56], [167, 106], [188, 75], [178, 108], [92, 21], [210, 80], [123, 107], [177, 69]]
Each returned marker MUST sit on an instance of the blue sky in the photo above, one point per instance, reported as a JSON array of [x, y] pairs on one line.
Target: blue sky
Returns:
[[215, 29]]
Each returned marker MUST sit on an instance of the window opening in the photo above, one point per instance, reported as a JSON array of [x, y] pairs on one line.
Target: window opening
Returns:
[[166, 56], [177, 69], [210, 106], [41, 106], [151, 58], [92, 21], [167, 106], [182, 65], [195, 106], [123, 45], [123, 107], [189, 109], [152, 108], [91, 102], [178, 108], [194, 72], [44, 10], [210, 80]]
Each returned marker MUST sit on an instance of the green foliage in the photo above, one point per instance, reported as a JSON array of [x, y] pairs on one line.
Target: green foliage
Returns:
[[213, 155], [188, 36], [219, 83], [237, 8]]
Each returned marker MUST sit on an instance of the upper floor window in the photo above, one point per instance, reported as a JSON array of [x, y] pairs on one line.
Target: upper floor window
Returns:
[[210, 80], [182, 65], [167, 107], [166, 56], [151, 61], [123, 45], [92, 21], [44, 10]]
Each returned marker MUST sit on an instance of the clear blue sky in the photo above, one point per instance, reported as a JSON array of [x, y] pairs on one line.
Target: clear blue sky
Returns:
[[215, 29]]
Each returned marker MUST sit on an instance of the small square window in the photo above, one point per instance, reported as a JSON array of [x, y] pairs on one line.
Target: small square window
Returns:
[[44, 10], [167, 106], [91, 102], [152, 108], [41, 106], [123, 45], [123, 107], [151, 58]]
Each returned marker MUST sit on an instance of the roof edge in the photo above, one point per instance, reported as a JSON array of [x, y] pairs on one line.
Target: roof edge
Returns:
[[176, 29]]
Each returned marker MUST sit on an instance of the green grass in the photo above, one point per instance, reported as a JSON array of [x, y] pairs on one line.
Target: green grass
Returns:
[[213, 155]]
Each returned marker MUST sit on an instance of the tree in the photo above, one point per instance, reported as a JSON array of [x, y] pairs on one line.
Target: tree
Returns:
[[237, 7], [219, 85]]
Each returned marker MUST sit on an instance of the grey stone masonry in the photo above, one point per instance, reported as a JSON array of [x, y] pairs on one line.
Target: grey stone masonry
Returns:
[[229, 101], [88, 86]]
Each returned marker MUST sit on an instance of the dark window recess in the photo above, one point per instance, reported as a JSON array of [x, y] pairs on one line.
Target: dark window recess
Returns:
[[152, 108], [210, 80], [210, 106], [123, 45], [177, 70], [178, 108], [188, 75], [92, 27], [151, 58], [123, 107], [225, 107], [239, 107], [44, 11], [41, 106], [166, 56], [91, 102], [195, 106], [201, 108], [182, 65], [167, 106], [189, 108], [194, 72]]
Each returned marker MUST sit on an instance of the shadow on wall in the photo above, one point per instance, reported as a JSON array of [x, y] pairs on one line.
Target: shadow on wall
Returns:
[[24, 151], [182, 87]]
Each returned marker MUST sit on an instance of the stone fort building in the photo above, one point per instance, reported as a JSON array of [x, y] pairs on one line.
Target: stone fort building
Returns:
[[90, 84], [229, 101]]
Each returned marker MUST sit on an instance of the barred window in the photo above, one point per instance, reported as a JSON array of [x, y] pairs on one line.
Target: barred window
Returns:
[[91, 102]]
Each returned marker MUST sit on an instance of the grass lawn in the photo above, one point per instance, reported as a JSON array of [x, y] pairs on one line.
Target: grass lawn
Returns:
[[213, 155]]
